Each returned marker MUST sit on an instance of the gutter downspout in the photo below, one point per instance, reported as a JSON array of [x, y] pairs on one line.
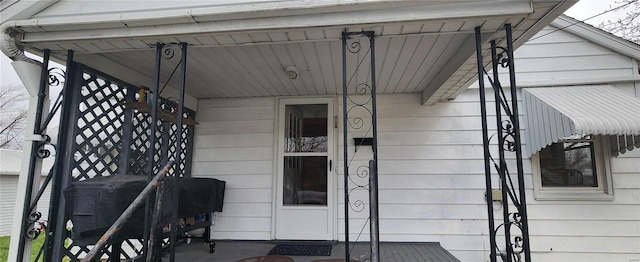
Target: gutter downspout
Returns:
[[30, 73], [27, 68], [9, 46]]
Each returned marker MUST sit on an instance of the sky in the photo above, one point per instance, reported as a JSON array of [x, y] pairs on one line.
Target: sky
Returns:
[[588, 8], [582, 10]]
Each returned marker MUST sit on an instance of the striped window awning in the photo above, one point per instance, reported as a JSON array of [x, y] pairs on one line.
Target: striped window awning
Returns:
[[553, 113]]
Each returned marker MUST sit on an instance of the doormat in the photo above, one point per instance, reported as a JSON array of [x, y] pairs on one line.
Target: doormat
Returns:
[[301, 250]]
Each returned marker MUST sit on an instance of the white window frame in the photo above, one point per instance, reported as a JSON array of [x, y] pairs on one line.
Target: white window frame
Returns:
[[604, 191]]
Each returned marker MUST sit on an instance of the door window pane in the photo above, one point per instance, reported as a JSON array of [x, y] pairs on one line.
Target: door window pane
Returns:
[[305, 128], [305, 180]]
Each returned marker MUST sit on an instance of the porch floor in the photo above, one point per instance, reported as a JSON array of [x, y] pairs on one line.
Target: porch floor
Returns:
[[229, 251]]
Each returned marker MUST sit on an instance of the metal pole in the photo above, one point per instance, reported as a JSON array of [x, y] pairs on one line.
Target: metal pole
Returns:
[[127, 133], [518, 146], [33, 161], [156, 219], [485, 142], [373, 209], [137, 202], [56, 230], [41, 190], [178, 157], [152, 141], [373, 167], [345, 140], [502, 165]]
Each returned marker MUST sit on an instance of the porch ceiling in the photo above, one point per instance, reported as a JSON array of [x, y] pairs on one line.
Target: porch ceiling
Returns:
[[427, 54]]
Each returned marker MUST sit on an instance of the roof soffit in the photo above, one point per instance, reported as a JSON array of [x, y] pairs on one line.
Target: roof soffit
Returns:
[[56, 33]]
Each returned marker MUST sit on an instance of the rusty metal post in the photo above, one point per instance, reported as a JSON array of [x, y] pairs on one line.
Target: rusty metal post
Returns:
[[155, 221], [137, 202]]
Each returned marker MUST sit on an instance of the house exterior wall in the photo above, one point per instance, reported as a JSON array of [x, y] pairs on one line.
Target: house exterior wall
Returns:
[[584, 230], [592, 230], [431, 182], [431, 167], [234, 143], [555, 55]]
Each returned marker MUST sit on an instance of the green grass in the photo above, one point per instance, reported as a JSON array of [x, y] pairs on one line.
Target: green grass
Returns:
[[4, 247]]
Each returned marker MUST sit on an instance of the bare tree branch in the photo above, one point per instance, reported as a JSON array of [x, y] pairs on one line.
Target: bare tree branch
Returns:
[[13, 105], [627, 27]]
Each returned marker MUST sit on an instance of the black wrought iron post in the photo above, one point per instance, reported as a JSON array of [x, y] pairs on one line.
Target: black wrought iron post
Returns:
[[27, 215], [359, 104], [54, 77], [178, 158], [373, 167], [345, 138], [152, 149], [514, 226], [485, 142], [502, 168], [522, 207], [57, 232]]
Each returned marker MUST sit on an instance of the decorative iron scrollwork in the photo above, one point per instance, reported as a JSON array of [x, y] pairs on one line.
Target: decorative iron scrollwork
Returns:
[[356, 205], [516, 243], [56, 76], [42, 151], [358, 115], [354, 47], [513, 226], [362, 173], [502, 58], [168, 52], [508, 137]]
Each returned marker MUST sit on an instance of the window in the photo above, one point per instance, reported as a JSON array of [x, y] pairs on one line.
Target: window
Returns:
[[574, 168]]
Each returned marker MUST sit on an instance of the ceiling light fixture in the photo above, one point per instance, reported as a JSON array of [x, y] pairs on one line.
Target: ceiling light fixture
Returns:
[[292, 72]]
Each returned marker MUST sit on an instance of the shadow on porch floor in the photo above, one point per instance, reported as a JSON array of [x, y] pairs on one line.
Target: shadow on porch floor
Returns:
[[231, 251]]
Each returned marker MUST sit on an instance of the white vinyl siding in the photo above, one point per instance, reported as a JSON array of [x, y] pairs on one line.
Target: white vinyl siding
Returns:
[[10, 164], [234, 143], [435, 192], [431, 181], [431, 175], [431, 168], [562, 56], [8, 194]]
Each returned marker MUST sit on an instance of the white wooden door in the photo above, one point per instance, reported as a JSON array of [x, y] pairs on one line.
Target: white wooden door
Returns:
[[305, 196]]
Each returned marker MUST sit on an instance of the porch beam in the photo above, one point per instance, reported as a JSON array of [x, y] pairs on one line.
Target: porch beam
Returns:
[[199, 21], [464, 53], [326, 39]]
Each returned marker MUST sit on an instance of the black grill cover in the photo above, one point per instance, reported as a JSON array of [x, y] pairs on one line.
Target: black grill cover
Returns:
[[95, 204]]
